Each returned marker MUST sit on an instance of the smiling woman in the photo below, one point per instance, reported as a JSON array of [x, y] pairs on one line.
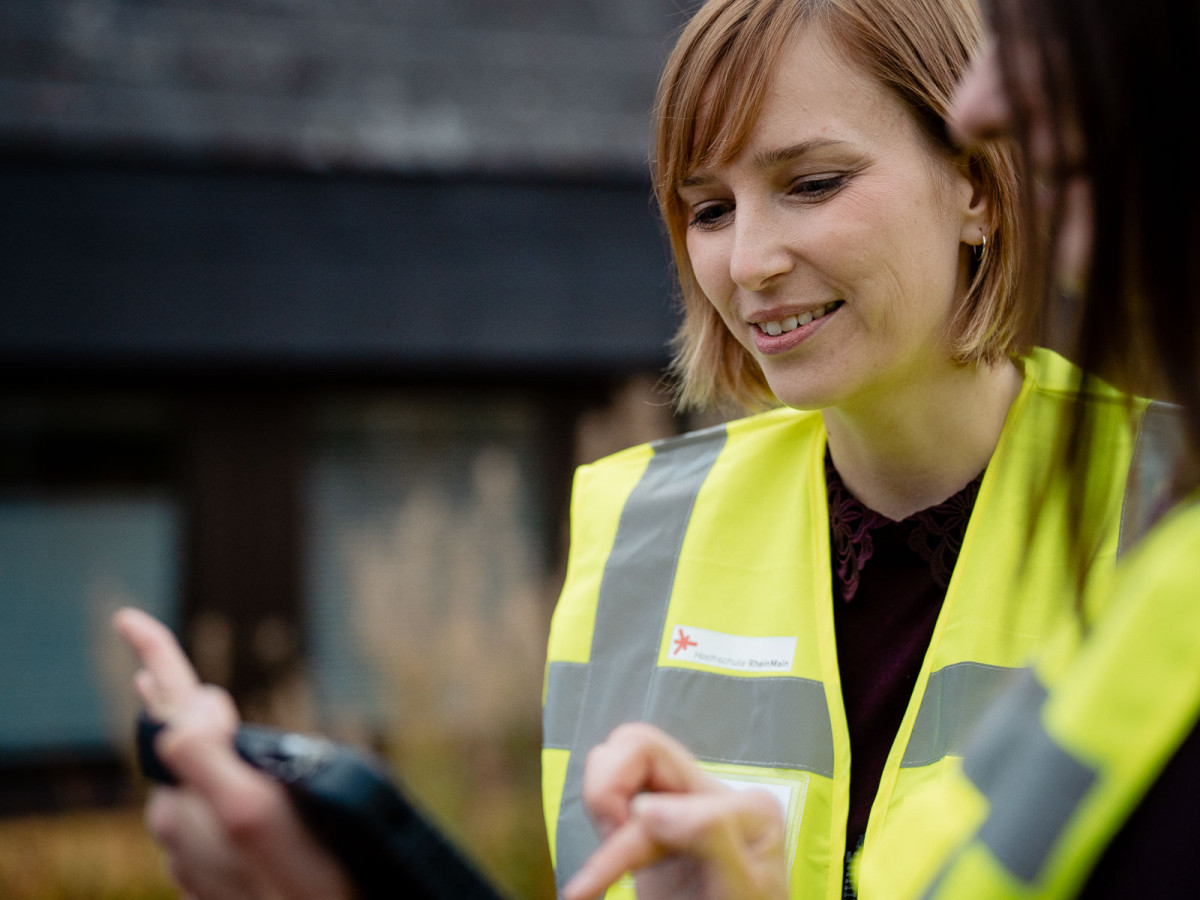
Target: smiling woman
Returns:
[[859, 229], [848, 269]]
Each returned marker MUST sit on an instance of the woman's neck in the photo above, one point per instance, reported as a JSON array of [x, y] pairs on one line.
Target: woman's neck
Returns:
[[914, 448]]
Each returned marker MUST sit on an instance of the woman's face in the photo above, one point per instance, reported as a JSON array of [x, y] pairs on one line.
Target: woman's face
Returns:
[[982, 110], [834, 246]]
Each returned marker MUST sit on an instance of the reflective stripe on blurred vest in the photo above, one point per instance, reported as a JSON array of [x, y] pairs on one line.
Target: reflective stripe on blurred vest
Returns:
[[1061, 760], [698, 598]]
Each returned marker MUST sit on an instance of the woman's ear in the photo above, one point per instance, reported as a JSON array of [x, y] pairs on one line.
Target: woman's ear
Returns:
[[977, 220]]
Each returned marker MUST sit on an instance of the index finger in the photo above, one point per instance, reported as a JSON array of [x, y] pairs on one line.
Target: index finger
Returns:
[[627, 849], [172, 679]]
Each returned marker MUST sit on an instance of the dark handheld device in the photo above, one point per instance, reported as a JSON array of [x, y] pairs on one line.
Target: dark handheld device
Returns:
[[348, 801]]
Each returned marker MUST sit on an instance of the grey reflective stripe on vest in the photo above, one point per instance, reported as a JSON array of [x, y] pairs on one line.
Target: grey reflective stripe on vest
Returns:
[[721, 718], [634, 593], [1160, 443], [688, 704], [1033, 786], [955, 698], [683, 701], [564, 699]]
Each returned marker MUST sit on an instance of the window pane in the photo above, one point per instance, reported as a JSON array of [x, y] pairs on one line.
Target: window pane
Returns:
[[65, 565]]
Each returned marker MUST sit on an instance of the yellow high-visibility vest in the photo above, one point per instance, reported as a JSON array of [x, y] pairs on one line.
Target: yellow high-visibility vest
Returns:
[[698, 598], [1063, 758]]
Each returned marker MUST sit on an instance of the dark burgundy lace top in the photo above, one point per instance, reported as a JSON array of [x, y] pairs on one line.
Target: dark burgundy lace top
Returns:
[[889, 582]]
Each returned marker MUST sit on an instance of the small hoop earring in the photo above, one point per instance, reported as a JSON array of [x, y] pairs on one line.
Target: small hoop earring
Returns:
[[981, 246]]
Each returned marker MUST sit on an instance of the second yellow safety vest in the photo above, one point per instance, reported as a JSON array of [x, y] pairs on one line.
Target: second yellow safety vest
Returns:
[[698, 598], [1065, 756]]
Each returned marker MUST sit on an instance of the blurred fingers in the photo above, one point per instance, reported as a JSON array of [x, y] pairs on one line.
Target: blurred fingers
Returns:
[[734, 837], [636, 758], [200, 857], [626, 849], [170, 676], [253, 810], [720, 824]]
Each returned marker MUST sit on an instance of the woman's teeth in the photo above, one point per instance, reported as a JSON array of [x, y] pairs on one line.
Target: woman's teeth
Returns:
[[791, 323]]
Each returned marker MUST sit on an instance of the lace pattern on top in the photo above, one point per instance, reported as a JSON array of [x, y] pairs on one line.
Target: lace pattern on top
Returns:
[[935, 534]]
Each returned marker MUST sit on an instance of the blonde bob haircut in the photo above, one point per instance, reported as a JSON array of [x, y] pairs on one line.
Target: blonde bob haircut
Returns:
[[724, 58]]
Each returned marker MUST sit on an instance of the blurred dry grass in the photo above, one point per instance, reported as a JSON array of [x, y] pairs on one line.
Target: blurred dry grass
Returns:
[[486, 796], [476, 795], [451, 611], [93, 855]]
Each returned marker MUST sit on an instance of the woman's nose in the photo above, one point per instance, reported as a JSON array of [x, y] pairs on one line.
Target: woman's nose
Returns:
[[981, 110], [760, 252]]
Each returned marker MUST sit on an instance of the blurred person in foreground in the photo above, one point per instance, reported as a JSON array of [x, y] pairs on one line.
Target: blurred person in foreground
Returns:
[[1082, 779]]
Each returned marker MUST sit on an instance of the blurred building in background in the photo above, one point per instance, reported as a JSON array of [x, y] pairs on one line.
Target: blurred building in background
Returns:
[[308, 309]]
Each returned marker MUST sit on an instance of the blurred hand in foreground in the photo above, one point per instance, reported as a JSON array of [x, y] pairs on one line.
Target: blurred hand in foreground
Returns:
[[229, 831], [683, 833]]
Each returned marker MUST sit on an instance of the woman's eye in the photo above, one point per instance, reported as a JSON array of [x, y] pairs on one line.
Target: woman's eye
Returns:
[[817, 188], [709, 215]]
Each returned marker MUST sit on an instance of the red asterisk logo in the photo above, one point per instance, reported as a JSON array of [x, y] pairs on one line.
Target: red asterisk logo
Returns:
[[682, 642]]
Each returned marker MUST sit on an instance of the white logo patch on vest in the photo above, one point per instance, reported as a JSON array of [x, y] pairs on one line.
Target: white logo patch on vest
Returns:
[[732, 651]]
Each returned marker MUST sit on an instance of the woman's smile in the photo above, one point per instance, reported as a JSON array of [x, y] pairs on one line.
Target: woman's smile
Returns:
[[780, 333]]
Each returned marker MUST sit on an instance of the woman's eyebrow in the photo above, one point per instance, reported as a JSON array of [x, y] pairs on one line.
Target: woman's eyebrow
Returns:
[[767, 159]]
